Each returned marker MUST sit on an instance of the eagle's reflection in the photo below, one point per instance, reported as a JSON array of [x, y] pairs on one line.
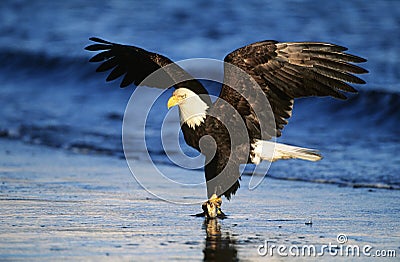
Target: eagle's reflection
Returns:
[[218, 246]]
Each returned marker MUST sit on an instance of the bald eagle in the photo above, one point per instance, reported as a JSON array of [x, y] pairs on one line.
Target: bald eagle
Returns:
[[283, 71]]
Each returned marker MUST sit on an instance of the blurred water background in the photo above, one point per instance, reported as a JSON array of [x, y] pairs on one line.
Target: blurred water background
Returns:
[[51, 96]]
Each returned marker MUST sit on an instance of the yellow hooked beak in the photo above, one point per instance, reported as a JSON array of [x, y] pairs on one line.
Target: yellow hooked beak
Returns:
[[172, 101]]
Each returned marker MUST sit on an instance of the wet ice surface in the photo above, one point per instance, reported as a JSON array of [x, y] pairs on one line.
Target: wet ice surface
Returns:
[[56, 204]]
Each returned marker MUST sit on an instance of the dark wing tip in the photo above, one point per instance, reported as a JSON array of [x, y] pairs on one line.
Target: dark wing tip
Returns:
[[361, 81], [355, 59], [361, 70], [88, 48], [361, 59], [341, 96], [101, 44], [97, 47], [99, 40]]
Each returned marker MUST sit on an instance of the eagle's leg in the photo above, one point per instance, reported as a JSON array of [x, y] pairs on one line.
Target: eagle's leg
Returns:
[[212, 207]]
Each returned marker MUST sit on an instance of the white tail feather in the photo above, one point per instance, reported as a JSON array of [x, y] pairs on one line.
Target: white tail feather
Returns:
[[270, 151]]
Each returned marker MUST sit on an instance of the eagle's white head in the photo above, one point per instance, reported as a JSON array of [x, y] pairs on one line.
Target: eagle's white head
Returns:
[[192, 109]]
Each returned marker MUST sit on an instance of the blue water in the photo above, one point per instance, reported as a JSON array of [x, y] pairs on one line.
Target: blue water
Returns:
[[51, 96]]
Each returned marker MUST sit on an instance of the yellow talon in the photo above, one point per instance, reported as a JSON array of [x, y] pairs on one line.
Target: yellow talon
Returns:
[[212, 208]]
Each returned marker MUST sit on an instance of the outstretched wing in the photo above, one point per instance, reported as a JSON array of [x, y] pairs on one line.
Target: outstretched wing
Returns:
[[286, 71], [134, 64]]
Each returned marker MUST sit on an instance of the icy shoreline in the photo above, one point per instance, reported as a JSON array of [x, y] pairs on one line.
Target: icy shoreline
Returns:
[[60, 205]]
